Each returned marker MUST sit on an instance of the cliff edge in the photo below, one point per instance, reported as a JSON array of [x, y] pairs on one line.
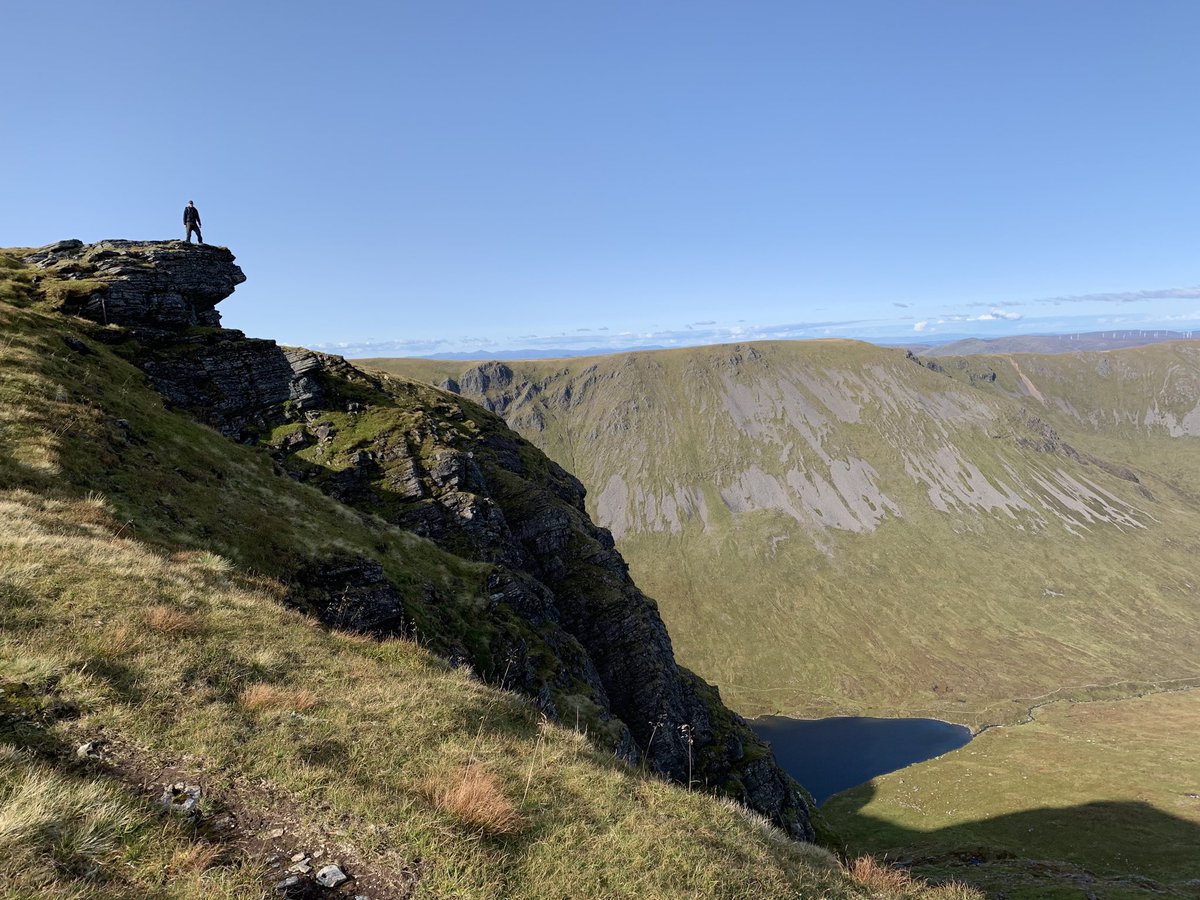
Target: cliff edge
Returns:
[[556, 615]]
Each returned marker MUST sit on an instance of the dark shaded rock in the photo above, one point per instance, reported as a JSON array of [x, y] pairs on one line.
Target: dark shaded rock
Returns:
[[299, 887], [238, 385], [404, 475], [350, 593], [295, 441], [77, 345], [931, 365]]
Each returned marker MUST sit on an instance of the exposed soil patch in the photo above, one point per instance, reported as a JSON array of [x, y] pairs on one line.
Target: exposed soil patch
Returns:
[[259, 824]]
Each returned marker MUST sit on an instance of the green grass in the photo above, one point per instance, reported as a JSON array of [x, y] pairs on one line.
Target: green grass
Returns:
[[1110, 788], [142, 560]]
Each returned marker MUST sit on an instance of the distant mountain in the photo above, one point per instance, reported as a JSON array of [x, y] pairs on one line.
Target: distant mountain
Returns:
[[532, 353], [943, 345], [830, 526], [1058, 343]]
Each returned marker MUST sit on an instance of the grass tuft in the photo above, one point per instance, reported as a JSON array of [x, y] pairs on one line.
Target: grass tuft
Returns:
[[272, 697], [879, 876], [474, 797], [169, 620]]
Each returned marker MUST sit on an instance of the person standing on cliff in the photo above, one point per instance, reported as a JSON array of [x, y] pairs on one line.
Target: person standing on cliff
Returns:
[[191, 222]]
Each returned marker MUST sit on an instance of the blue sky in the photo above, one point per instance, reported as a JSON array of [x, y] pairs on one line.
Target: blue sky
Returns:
[[409, 178]]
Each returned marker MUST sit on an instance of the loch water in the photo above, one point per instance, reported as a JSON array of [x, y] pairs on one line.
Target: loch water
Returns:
[[831, 755]]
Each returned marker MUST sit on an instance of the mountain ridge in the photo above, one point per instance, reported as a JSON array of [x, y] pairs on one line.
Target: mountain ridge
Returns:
[[882, 498]]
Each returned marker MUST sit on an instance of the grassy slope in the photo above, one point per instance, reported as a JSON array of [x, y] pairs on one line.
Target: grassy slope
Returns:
[[966, 614], [139, 605], [1116, 786]]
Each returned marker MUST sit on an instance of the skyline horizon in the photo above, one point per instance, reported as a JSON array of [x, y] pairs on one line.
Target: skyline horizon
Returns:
[[355, 352], [461, 177], [999, 321]]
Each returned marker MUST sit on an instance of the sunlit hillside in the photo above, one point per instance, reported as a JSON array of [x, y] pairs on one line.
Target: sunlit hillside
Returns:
[[832, 527]]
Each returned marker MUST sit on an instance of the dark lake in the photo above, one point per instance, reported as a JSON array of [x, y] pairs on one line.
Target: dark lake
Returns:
[[830, 755]]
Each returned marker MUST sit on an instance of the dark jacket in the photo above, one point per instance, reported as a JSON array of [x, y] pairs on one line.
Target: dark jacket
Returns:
[[191, 216]]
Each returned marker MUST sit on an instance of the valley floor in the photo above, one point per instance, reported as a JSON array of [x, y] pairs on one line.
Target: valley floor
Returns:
[[1107, 789]]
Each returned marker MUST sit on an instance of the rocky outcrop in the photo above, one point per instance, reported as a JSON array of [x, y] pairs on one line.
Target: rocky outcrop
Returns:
[[155, 285], [229, 381], [560, 618], [350, 593], [165, 294]]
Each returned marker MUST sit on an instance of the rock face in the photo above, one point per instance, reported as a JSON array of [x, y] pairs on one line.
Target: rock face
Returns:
[[166, 293], [560, 620], [156, 285]]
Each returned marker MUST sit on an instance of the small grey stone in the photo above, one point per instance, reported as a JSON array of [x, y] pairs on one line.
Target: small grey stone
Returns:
[[331, 877], [181, 798]]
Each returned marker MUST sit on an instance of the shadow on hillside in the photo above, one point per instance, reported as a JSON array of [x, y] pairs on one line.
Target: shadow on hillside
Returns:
[[1107, 839], [16, 474]]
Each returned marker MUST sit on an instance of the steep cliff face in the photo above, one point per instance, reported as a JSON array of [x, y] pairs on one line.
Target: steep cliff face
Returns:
[[557, 616]]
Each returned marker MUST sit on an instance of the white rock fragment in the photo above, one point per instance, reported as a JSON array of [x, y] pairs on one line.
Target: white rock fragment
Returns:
[[331, 877]]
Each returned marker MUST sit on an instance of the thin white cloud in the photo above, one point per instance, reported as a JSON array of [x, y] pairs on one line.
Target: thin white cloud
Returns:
[[1180, 293], [921, 326], [996, 313]]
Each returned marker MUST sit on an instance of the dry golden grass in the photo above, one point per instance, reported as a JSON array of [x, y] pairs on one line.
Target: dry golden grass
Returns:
[[169, 620], [92, 510], [474, 797], [956, 890], [195, 858], [879, 876], [214, 562], [275, 697], [882, 880], [121, 640]]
